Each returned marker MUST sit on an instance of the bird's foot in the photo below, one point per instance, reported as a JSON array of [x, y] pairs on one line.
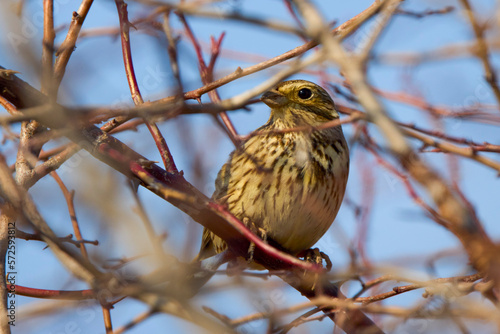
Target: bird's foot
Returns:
[[259, 231], [314, 255]]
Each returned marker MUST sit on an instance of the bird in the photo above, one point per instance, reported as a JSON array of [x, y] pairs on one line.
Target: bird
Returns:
[[288, 178]]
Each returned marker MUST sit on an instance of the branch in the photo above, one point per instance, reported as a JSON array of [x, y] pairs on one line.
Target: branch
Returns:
[[69, 238], [161, 144], [341, 31], [23, 204], [435, 283], [482, 54], [467, 152], [479, 247], [174, 188], [55, 294], [68, 45], [206, 74], [70, 196]]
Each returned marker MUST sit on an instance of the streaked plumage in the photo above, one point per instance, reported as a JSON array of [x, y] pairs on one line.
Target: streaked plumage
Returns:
[[291, 184]]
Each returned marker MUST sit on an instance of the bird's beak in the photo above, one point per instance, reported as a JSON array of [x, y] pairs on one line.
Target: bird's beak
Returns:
[[274, 99]]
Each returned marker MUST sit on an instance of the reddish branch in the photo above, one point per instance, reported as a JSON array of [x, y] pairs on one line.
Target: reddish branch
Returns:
[[161, 144], [483, 52], [48, 47], [55, 294], [367, 199], [207, 74], [341, 31], [68, 45], [429, 12], [69, 196], [469, 113], [371, 147], [412, 131], [406, 288], [69, 238], [175, 189]]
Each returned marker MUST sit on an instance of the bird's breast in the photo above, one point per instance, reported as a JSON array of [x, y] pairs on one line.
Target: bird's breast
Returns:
[[292, 186]]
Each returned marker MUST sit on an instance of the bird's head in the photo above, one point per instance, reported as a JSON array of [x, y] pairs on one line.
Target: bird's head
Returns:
[[300, 102]]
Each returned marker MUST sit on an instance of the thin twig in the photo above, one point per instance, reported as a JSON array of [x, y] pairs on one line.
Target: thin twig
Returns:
[[467, 152], [70, 196], [206, 74], [425, 13], [381, 22], [48, 48], [22, 202], [154, 238], [161, 144], [411, 287], [68, 45], [136, 321], [341, 32], [480, 248], [483, 53]]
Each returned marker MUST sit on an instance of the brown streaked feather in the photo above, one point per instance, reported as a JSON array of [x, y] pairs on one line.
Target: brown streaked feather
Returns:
[[290, 184]]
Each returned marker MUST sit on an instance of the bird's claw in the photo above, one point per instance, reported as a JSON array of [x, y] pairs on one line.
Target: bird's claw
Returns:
[[258, 231], [314, 255]]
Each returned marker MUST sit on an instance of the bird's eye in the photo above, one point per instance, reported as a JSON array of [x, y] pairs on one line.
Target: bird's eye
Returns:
[[305, 93]]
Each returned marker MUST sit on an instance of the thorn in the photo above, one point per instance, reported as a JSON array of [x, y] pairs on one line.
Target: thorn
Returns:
[[146, 163], [238, 71], [134, 184], [6, 74]]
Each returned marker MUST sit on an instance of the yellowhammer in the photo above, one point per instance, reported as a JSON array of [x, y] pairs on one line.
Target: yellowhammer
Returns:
[[289, 184]]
